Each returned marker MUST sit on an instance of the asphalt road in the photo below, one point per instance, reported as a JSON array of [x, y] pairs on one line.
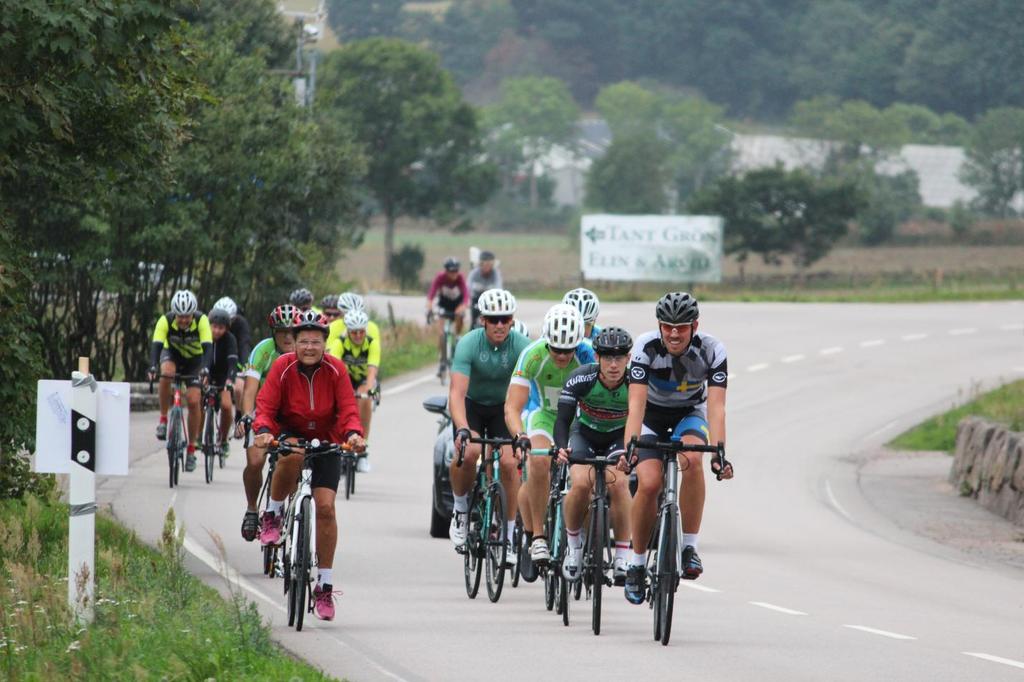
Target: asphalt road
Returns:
[[804, 578]]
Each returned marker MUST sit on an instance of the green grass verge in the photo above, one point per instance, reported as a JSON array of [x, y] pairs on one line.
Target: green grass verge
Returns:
[[1004, 405], [153, 620], [407, 346]]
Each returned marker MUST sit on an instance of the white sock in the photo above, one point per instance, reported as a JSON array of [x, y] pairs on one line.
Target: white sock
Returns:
[[638, 559], [575, 538], [275, 506], [690, 540], [461, 503], [622, 551], [511, 529], [324, 577]]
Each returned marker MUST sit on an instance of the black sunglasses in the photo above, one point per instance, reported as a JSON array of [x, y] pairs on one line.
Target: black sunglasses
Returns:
[[562, 351], [498, 319]]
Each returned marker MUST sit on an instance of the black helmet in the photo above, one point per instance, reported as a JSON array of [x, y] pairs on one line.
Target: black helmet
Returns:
[[219, 316], [677, 307], [613, 341], [329, 301], [486, 255], [301, 297], [451, 264]]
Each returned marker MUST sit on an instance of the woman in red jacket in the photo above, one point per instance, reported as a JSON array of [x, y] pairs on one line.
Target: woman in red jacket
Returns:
[[308, 395]]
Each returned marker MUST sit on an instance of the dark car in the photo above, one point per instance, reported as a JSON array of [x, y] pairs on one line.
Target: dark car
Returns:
[[444, 451]]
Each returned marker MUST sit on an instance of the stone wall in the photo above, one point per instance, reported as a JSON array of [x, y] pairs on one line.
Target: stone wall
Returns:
[[988, 465]]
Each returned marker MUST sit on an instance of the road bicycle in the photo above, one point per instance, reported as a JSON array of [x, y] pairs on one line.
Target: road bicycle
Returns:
[[212, 435], [556, 586], [487, 530], [665, 560], [447, 343], [298, 543], [350, 459], [177, 427], [272, 564], [597, 547]]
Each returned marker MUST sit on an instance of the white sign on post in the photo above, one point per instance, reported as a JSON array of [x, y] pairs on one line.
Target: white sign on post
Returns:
[[661, 248], [53, 427]]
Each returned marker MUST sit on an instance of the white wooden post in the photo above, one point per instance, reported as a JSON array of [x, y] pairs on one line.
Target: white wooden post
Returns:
[[82, 494]]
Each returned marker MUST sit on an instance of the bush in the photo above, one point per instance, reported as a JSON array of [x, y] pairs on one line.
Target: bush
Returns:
[[961, 219], [405, 265]]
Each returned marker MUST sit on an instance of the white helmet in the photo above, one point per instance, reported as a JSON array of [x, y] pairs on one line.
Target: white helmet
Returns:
[[563, 326], [521, 327], [356, 320], [184, 302], [496, 302], [227, 304], [350, 301], [585, 301]]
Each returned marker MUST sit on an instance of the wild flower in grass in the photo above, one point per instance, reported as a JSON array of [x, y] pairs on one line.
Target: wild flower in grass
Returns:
[[74, 646]]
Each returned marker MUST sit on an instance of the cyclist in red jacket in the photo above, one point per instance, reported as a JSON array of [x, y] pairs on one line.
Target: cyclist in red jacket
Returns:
[[308, 395]]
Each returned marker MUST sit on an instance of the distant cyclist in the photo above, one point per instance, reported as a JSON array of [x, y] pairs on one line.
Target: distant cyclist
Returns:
[[481, 278], [182, 344], [483, 363], [329, 307], [224, 368], [281, 320], [360, 351], [452, 297], [586, 302], [302, 299], [591, 422], [677, 382], [239, 327], [308, 395]]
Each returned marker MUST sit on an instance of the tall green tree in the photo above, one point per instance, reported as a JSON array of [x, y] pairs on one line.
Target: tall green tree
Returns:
[[422, 141], [534, 114], [466, 32], [776, 213], [632, 176], [995, 160]]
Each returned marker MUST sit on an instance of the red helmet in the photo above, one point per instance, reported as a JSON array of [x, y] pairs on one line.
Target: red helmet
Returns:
[[311, 319]]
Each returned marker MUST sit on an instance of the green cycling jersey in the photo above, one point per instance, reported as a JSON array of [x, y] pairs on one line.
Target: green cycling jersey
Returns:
[[261, 358], [536, 370], [487, 366]]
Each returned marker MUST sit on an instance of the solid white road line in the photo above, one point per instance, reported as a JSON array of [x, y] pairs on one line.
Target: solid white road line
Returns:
[[835, 503], [831, 351], [401, 388], [699, 588], [994, 659], [961, 331], [793, 358], [883, 429], [913, 337], [758, 367], [875, 631], [872, 343], [231, 575], [780, 609]]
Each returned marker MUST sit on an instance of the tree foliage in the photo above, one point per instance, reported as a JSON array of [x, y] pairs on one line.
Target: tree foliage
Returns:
[[775, 213], [995, 160], [359, 19], [422, 141], [631, 177]]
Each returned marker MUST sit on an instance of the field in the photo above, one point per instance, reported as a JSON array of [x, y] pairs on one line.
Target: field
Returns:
[[537, 262]]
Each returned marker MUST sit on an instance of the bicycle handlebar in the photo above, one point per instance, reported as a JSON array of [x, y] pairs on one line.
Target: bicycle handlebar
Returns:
[[313, 448], [673, 447]]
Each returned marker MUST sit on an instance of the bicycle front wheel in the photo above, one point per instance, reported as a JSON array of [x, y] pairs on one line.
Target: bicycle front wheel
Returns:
[[517, 543], [209, 434], [304, 560], [174, 444], [349, 471], [597, 541], [668, 574], [496, 545]]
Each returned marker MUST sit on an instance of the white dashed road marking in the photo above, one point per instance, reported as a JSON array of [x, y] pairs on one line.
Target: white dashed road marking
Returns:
[[962, 331], [831, 351], [1015, 327], [872, 343], [793, 358], [699, 588], [876, 631], [913, 337], [758, 367], [780, 609], [401, 388], [995, 659], [835, 503]]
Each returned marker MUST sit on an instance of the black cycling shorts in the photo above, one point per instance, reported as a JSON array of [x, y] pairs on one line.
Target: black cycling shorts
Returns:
[[326, 469], [487, 420], [448, 306], [585, 442], [356, 383], [672, 424], [183, 365]]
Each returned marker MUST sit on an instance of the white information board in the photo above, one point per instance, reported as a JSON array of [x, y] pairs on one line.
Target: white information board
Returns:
[[53, 427], [660, 248]]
